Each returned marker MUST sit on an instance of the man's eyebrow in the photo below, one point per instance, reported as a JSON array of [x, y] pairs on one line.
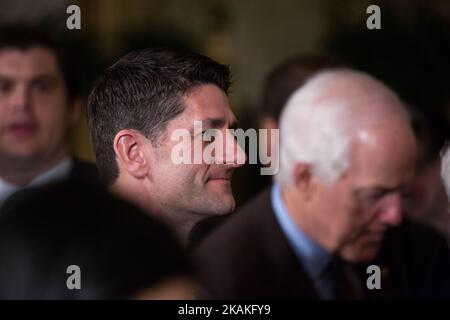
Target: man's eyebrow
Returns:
[[213, 122], [44, 77], [218, 123], [39, 77], [379, 189], [5, 78]]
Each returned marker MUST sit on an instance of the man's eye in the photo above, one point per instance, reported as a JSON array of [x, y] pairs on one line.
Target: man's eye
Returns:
[[5, 86], [208, 135], [42, 86], [372, 196], [376, 194], [406, 194]]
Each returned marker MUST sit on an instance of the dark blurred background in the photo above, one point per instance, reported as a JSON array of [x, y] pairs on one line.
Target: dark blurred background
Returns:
[[410, 53]]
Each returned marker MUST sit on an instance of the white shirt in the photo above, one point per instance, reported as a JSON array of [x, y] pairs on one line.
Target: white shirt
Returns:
[[56, 173]]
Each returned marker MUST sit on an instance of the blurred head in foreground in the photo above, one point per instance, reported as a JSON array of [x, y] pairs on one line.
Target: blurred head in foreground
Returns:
[[73, 241]]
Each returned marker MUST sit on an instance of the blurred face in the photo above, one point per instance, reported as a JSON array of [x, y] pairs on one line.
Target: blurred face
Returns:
[[429, 201], [34, 111], [370, 196], [202, 188], [269, 124]]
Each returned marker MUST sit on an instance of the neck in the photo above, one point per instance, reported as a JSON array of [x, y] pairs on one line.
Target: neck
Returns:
[[181, 222], [184, 229], [298, 211], [21, 173]]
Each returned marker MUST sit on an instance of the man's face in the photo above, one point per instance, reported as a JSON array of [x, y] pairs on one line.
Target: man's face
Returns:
[[370, 196], [34, 111], [201, 188]]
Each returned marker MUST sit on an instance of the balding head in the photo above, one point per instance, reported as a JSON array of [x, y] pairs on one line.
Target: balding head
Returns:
[[332, 111]]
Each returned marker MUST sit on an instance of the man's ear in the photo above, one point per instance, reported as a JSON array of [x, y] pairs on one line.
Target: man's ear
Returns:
[[128, 146], [304, 180]]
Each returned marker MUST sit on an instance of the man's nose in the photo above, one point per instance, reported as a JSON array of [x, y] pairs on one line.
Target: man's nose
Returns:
[[234, 155], [20, 99], [392, 211]]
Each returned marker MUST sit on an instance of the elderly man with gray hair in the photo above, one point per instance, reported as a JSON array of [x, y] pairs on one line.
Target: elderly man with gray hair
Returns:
[[347, 157]]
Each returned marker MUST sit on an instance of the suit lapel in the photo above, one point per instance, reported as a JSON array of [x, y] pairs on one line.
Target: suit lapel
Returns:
[[289, 277]]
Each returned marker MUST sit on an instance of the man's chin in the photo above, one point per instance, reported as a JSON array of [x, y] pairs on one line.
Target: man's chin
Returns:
[[222, 188], [223, 204], [227, 207], [21, 152], [364, 253]]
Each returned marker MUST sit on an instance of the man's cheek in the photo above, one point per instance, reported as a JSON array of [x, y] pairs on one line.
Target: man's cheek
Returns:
[[355, 225]]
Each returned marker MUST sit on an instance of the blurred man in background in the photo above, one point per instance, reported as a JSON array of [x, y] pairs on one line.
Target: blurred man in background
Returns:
[[38, 105], [133, 112], [281, 82], [429, 202], [347, 158], [416, 66]]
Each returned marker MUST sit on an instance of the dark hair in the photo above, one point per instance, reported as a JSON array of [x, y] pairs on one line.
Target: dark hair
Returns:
[[119, 249], [287, 77], [144, 91], [24, 37]]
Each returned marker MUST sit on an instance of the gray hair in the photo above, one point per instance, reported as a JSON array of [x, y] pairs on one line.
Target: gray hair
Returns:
[[322, 117]]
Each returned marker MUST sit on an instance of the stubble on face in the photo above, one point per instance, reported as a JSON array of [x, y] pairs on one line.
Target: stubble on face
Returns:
[[196, 189]]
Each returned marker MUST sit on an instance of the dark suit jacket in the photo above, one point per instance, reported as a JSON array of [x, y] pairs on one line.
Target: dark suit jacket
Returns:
[[415, 263], [81, 174], [248, 257], [84, 171]]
